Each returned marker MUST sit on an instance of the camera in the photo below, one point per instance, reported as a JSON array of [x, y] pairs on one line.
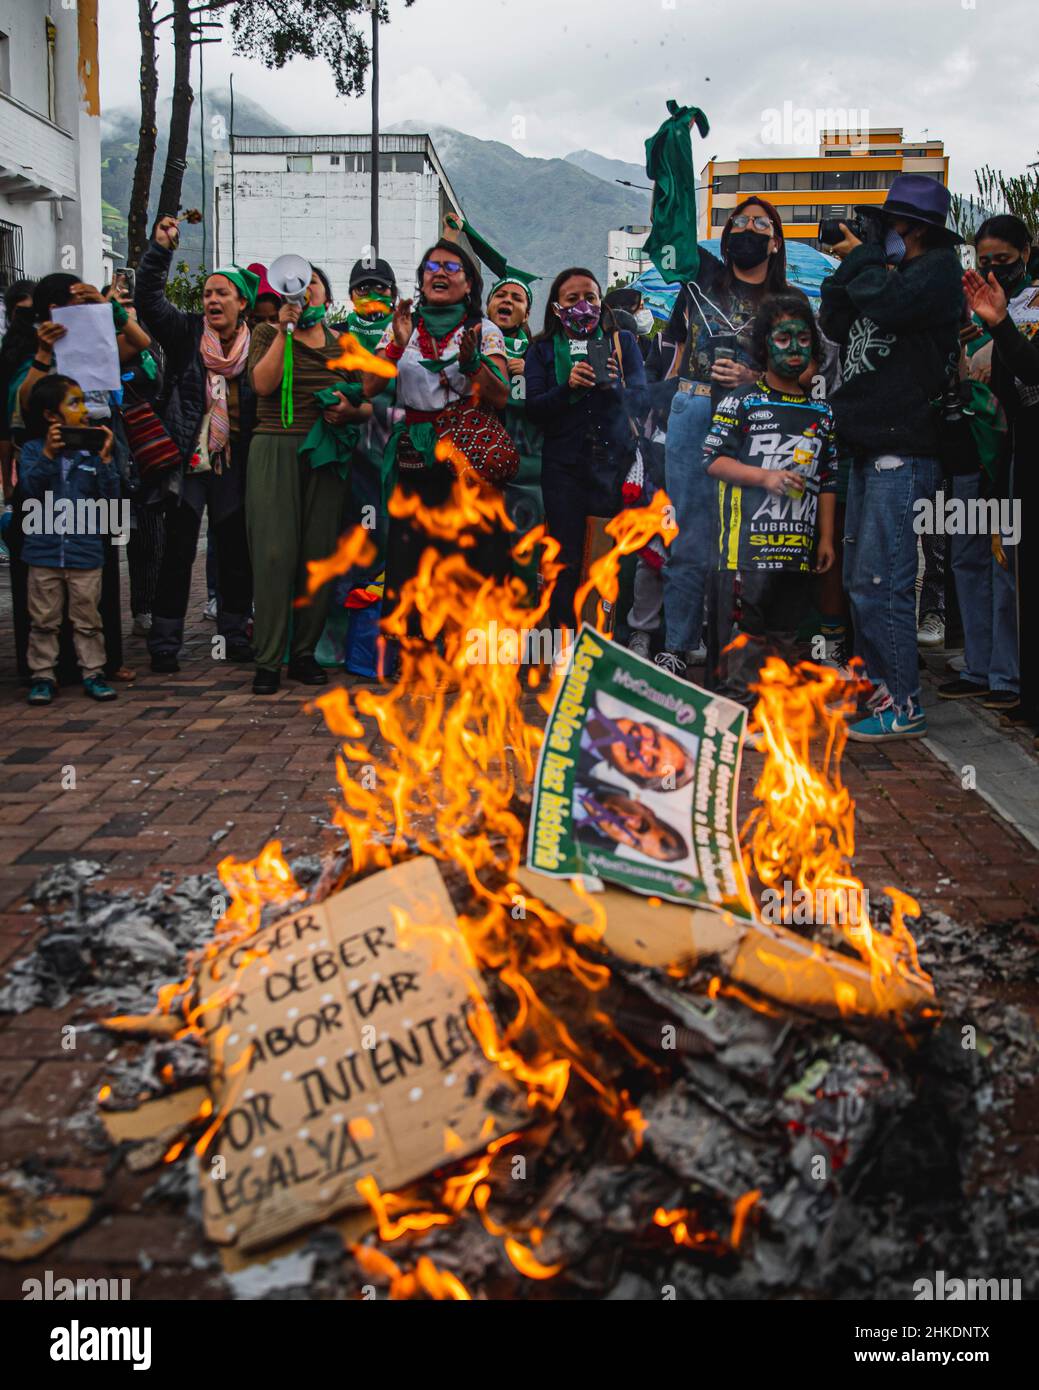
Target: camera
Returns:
[[869, 229]]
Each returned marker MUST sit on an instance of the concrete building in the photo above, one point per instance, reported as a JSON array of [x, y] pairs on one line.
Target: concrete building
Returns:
[[50, 140], [311, 195], [807, 190], [624, 256]]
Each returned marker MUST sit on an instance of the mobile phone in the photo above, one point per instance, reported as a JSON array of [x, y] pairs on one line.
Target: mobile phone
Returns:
[[128, 278], [83, 437], [723, 347], [599, 352]]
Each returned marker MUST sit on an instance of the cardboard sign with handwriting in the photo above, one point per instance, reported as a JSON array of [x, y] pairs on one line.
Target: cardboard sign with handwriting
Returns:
[[362, 1060]]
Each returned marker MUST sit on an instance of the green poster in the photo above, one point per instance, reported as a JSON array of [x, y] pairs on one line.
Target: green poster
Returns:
[[637, 782]]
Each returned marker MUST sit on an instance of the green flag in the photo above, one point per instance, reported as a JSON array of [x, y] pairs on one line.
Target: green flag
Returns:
[[491, 257], [672, 244]]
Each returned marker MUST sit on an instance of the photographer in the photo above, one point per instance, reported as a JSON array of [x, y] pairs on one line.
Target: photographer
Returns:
[[894, 306]]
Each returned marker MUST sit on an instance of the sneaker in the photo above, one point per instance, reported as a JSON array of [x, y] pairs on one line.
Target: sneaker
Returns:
[[1003, 700], [640, 643], [869, 699], [696, 656], [671, 662], [164, 663], [956, 663], [959, 689], [306, 670], [931, 632], [142, 624], [266, 682], [210, 610], [98, 688], [887, 722], [41, 692]]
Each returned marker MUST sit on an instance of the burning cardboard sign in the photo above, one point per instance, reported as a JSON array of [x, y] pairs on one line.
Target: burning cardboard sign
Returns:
[[341, 1035]]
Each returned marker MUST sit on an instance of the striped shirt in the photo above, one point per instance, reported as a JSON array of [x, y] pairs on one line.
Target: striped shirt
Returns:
[[310, 373]]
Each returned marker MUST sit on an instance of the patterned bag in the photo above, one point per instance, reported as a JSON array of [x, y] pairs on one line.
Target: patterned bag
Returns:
[[153, 451], [482, 439]]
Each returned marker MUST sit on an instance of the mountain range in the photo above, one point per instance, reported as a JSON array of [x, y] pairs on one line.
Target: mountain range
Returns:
[[542, 214]]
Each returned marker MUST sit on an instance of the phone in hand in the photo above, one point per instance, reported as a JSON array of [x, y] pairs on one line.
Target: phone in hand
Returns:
[[723, 347], [87, 437], [599, 353], [127, 278]]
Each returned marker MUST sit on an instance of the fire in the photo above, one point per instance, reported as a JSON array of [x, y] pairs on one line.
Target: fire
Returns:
[[356, 357], [802, 829], [457, 756]]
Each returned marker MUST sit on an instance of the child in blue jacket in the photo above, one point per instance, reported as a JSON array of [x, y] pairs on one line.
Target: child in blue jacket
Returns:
[[70, 502]]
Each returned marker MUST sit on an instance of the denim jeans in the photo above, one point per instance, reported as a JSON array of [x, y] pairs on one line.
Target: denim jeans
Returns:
[[880, 565], [988, 603], [694, 495]]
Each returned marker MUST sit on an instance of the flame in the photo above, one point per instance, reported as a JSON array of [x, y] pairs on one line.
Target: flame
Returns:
[[355, 357], [801, 832]]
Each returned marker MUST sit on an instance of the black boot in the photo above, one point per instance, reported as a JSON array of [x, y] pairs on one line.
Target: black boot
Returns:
[[266, 682], [306, 670]]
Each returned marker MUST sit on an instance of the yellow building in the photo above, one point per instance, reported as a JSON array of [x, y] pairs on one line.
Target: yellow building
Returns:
[[830, 184]]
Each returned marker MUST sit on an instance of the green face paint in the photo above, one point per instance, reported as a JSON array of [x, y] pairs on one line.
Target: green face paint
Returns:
[[789, 347]]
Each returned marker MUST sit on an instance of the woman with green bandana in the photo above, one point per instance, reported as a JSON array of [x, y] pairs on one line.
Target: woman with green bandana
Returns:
[[589, 443], [295, 487], [445, 351]]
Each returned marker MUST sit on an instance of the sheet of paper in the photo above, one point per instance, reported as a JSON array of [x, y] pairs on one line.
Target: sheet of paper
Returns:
[[637, 782], [88, 352]]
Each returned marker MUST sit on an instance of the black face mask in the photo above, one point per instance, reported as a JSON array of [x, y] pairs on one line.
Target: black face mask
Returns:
[[747, 249], [1008, 277]]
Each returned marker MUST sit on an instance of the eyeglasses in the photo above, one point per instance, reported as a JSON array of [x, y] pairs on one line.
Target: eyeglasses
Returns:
[[452, 267], [760, 224]]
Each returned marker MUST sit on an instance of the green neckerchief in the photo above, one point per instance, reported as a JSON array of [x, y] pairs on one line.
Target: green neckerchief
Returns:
[[313, 313], [672, 244], [333, 444], [441, 319], [517, 346], [368, 331], [565, 361]]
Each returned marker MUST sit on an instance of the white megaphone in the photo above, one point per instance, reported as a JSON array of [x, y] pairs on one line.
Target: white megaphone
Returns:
[[290, 276]]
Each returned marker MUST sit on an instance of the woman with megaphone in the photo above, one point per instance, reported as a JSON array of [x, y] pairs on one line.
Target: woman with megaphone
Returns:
[[295, 494]]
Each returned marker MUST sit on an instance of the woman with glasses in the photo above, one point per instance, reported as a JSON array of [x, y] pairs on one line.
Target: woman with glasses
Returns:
[[710, 330], [446, 354], [294, 494]]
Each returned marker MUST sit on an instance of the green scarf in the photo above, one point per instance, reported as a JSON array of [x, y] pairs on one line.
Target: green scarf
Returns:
[[333, 444], [672, 244], [441, 319], [313, 313], [564, 361], [517, 347], [368, 331]]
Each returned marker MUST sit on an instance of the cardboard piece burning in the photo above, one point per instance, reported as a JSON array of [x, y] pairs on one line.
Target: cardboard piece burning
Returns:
[[342, 1050]]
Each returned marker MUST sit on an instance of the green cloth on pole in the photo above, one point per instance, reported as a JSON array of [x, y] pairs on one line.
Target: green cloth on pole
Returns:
[[491, 257], [672, 244]]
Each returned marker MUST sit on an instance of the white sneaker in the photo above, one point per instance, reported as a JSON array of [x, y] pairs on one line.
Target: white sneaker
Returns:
[[142, 624], [697, 655], [639, 643], [931, 632], [670, 662], [210, 610]]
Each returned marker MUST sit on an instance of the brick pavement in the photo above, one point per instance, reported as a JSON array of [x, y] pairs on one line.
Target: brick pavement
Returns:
[[182, 770]]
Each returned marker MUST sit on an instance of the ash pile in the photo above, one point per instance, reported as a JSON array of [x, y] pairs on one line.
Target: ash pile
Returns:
[[776, 1154]]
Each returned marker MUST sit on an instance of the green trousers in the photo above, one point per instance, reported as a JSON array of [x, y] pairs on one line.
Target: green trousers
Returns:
[[292, 515]]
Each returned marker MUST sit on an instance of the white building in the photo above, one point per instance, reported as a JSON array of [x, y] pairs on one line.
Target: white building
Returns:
[[624, 256], [311, 195], [50, 140]]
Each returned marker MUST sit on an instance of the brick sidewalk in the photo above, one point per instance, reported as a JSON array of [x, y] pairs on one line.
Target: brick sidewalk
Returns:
[[183, 770]]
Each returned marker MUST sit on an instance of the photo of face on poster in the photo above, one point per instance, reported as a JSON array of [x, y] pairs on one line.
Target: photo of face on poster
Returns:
[[634, 787]]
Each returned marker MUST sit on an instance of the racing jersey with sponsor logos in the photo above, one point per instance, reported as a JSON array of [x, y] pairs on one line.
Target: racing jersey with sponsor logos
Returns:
[[765, 428]]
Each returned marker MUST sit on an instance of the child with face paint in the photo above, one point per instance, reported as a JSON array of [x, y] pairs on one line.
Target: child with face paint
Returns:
[[772, 450]]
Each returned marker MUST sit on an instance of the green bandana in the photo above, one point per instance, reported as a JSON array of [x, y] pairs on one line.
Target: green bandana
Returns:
[[312, 314], [672, 244], [441, 319], [368, 332], [512, 280], [564, 361], [517, 347], [246, 282]]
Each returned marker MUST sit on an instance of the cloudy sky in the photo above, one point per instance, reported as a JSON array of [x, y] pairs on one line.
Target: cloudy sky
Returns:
[[551, 76]]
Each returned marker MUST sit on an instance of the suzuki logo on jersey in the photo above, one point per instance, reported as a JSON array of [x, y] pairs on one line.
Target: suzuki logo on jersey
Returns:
[[780, 448]]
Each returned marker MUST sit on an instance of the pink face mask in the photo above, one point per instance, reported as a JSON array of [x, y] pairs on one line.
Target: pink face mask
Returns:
[[581, 317]]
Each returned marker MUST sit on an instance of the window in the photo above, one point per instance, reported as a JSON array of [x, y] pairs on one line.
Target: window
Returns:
[[407, 163], [5, 63], [10, 254], [803, 180], [838, 154], [719, 216], [726, 183], [752, 183], [805, 212], [301, 164], [635, 253], [884, 154], [335, 159], [785, 181]]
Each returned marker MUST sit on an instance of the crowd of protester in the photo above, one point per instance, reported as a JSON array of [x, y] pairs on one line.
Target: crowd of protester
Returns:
[[799, 446]]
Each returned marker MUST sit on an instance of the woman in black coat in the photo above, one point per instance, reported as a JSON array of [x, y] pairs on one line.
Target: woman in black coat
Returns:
[[191, 388], [589, 443]]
